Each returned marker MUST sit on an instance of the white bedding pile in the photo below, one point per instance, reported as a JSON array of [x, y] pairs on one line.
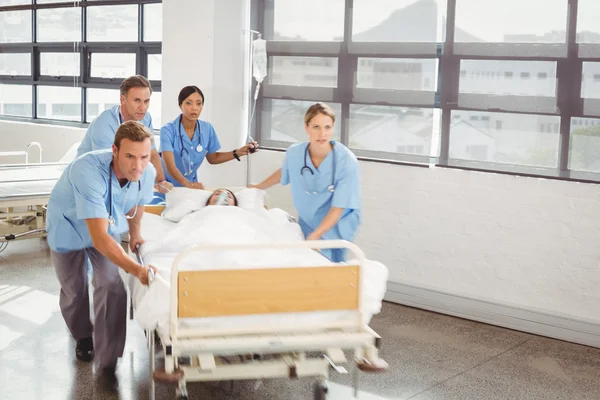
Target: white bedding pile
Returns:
[[164, 240]]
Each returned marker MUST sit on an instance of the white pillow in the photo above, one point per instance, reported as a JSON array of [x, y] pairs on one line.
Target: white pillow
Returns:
[[182, 201], [251, 199]]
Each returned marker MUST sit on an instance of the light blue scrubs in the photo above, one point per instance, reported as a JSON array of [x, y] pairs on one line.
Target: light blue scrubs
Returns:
[[204, 142], [101, 132], [312, 208], [82, 192]]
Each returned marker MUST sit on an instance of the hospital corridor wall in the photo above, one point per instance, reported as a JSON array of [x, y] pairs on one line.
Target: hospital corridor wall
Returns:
[[513, 251]]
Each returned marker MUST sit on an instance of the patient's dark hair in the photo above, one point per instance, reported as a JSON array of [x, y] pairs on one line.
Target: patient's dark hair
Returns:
[[235, 201], [187, 92]]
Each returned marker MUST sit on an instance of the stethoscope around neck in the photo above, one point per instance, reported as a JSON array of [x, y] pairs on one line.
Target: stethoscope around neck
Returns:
[[111, 218], [199, 148], [330, 188]]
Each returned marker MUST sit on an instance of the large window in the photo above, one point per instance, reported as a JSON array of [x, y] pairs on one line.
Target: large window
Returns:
[[69, 64], [440, 81]]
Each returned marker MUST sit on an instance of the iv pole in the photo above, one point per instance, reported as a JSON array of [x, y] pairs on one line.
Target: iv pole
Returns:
[[252, 99]]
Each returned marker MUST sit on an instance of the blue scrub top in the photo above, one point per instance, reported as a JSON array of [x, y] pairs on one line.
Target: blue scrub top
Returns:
[[101, 132], [171, 137], [82, 192], [312, 208]]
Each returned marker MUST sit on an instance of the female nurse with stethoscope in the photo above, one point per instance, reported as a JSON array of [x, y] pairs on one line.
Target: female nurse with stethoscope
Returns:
[[186, 141], [324, 177]]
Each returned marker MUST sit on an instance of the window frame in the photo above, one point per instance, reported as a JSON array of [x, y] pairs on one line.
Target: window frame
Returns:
[[84, 81], [567, 103]]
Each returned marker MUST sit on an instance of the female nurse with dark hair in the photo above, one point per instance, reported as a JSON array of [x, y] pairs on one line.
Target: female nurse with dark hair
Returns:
[[187, 140]]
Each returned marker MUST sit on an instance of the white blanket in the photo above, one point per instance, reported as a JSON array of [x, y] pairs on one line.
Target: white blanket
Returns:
[[215, 224]]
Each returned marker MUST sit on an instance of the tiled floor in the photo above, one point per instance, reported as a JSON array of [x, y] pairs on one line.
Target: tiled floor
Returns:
[[431, 356]]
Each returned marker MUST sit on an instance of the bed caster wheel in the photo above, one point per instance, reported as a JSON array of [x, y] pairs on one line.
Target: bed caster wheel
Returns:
[[378, 365], [181, 394], [320, 391]]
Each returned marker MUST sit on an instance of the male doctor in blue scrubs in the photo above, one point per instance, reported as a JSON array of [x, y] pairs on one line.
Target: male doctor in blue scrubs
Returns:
[[99, 196], [325, 180], [134, 102]]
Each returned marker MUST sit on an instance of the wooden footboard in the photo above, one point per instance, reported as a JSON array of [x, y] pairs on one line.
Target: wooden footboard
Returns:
[[154, 209], [264, 291]]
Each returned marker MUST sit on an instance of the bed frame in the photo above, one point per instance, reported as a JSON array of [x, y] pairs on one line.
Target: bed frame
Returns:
[[257, 352], [22, 218]]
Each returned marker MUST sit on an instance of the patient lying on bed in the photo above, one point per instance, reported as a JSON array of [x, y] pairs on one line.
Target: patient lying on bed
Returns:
[[165, 240], [222, 197]]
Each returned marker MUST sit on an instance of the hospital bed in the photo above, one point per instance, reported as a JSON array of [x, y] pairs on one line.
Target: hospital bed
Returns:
[[24, 192], [267, 320]]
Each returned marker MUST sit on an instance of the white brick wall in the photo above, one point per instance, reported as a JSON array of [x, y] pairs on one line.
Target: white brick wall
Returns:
[[513, 240]]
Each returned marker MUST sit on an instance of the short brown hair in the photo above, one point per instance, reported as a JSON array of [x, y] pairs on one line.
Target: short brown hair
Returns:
[[133, 82], [132, 130], [316, 109]]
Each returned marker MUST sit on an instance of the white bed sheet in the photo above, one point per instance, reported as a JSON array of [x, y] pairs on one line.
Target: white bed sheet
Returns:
[[33, 181], [164, 240]]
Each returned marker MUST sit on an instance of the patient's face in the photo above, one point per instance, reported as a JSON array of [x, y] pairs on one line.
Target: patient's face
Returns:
[[213, 198]]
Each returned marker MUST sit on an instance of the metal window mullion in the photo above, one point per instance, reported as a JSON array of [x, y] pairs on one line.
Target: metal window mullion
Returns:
[[85, 63], [256, 18], [55, 47], [393, 49], [82, 65], [569, 76], [449, 75], [141, 55], [142, 61], [35, 64], [112, 47], [347, 64], [519, 51], [266, 18], [58, 4], [140, 23], [83, 104], [16, 80], [304, 49], [104, 83], [83, 24], [62, 81], [152, 47], [264, 107]]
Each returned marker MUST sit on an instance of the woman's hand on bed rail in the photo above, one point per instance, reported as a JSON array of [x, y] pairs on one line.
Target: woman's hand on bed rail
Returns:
[[142, 274], [313, 236], [163, 187], [135, 241], [195, 185]]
